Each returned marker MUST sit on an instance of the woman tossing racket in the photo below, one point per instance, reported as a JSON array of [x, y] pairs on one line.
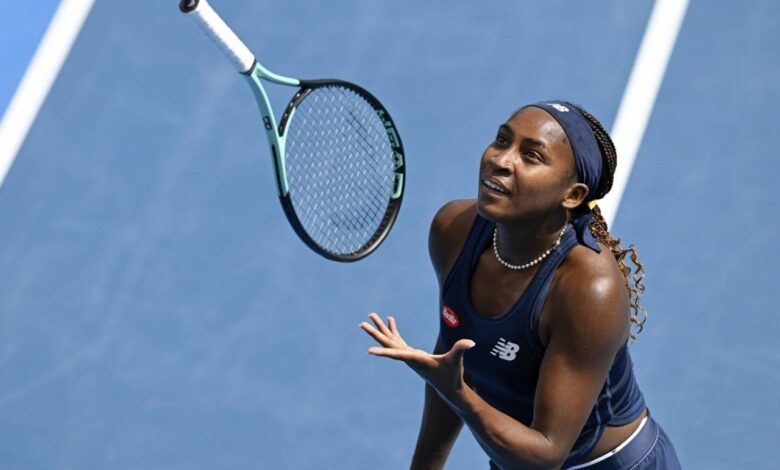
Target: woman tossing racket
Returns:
[[537, 307]]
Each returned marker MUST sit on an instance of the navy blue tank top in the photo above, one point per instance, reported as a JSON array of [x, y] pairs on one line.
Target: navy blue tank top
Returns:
[[504, 365]]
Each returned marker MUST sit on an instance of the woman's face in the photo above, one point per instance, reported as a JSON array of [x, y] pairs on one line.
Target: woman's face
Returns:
[[528, 171]]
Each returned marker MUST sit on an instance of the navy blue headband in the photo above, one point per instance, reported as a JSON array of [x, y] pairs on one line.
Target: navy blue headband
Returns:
[[587, 158]]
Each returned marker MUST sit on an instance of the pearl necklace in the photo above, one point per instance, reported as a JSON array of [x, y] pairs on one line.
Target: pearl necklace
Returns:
[[531, 263]]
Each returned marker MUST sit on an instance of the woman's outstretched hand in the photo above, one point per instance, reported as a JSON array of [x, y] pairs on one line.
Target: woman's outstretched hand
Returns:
[[443, 371]]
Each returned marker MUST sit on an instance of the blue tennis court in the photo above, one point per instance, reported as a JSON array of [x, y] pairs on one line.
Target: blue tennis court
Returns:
[[157, 311]]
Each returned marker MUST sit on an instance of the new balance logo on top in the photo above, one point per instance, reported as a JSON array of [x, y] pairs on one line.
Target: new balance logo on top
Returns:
[[505, 350]]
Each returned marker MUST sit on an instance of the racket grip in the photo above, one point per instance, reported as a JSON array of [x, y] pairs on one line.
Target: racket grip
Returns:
[[220, 33]]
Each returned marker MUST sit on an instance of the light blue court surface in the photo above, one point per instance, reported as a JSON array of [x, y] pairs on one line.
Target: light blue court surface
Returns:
[[157, 311], [22, 25]]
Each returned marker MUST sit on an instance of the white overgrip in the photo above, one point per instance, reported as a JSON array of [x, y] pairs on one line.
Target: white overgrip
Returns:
[[220, 33]]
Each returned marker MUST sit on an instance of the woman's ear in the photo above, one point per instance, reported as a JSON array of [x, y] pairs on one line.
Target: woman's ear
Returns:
[[575, 195]]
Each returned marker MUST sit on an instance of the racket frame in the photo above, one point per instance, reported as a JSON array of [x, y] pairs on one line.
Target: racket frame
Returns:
[[399, 171], [247, 64]]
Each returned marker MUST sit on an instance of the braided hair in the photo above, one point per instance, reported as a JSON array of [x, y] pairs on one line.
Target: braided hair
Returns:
[[601, 231]]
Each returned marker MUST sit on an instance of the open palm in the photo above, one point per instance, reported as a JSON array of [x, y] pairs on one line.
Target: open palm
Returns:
[[443, 371]]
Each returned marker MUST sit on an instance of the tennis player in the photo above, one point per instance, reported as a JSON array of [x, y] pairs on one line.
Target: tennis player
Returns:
[[537, 307]]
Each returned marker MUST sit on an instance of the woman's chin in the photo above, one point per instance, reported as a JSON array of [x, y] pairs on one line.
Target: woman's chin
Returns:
[[500, 211], [489, 208]]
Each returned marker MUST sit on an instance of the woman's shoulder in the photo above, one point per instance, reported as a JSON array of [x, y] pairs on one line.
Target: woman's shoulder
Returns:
[[589, 288], [449, 230], [583, 265]]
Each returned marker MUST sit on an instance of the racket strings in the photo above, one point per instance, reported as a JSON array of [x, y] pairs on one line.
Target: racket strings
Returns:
[[340, 168]]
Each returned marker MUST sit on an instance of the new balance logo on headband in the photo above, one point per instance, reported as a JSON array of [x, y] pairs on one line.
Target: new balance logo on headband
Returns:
[[505, 350], [559, 107]]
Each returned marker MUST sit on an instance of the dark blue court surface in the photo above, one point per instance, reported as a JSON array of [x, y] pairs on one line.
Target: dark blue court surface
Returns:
[[158, 312]]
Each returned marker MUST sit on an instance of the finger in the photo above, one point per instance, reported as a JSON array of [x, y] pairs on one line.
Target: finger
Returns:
[[462, 345], [380, 325], [406, 355], [380, 337], [394, 330], [459, 349], [386, 352]]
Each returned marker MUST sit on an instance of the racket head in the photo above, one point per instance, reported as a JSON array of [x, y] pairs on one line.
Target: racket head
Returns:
[[344, 168]]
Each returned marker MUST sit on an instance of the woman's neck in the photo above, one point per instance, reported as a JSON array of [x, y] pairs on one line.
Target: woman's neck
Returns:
[[520, 242]]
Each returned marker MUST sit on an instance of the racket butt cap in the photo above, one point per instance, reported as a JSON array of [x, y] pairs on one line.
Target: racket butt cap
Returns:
[[188, 6]]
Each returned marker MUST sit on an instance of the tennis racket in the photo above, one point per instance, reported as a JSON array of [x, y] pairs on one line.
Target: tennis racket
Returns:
[[337, 155]]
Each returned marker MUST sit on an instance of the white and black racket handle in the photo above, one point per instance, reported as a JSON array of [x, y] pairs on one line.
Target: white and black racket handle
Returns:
[[220, 33]]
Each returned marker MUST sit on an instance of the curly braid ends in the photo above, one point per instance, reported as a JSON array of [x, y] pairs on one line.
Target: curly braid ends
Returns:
[[601, 231]]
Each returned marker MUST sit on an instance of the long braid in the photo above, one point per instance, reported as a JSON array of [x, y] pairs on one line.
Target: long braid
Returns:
[[601, 231]]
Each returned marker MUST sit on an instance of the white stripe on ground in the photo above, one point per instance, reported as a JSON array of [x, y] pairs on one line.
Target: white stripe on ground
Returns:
[[39, 77], [639, 97]]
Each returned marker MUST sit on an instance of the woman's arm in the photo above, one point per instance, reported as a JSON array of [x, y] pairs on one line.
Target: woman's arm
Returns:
[[438, 431], [440, 425], [587, 329], [448, 232]]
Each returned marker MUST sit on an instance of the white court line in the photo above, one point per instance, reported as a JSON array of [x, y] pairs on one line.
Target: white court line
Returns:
[[639, 97], [39, 77]]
